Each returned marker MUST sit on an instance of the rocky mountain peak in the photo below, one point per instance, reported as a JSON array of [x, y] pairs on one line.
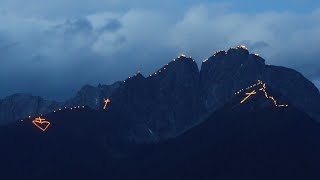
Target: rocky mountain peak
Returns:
[[164, 103], [239, 50], [239, 55], [178, 95], [177, 68], [136, 78], [224, 73], [92, 96]]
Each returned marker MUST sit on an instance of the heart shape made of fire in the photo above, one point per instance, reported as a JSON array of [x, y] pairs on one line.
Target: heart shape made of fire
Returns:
[[41, 123]]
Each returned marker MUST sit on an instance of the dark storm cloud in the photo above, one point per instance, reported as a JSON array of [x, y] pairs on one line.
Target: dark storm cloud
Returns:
[[66, 44]]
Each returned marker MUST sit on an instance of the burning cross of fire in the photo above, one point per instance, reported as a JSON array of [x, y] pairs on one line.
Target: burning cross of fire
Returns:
[[248, 95], [106, 103]]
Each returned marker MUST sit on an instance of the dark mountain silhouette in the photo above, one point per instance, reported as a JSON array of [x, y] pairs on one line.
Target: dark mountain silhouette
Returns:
[[246, 141], [19, 106], [267, 142], [226, 72], [179, 96], [165, 103]]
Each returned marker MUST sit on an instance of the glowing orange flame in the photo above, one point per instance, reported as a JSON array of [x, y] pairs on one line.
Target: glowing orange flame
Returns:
[[263, 89], [248, 95], [182, 56], [40, 123], [106, 103], [270, 97]]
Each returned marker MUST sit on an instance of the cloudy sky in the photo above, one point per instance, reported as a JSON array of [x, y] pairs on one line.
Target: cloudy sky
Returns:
[[52, 48]]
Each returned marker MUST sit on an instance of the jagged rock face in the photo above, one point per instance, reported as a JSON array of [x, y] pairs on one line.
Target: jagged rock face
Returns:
[[163, 104], [177, 96], [92, 96], [133, 100], [226, 72], [23, 105], [300, 91]]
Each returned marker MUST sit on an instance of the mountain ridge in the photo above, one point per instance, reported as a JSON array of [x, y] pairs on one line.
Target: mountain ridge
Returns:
[[179, 94], [268, 142]]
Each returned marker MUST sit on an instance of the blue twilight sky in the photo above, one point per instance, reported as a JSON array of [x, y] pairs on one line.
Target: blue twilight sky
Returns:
[[52, 48]]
